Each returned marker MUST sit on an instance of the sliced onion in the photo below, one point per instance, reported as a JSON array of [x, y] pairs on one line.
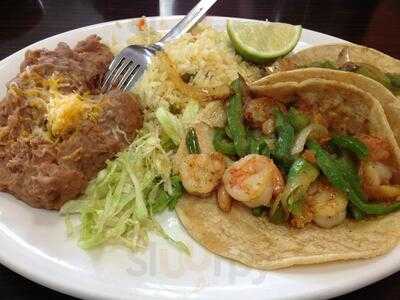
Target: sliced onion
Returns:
[[315, 129], [220, 92], [343, 57]]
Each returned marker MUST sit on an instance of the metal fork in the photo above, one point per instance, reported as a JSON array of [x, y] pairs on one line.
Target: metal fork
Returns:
[[129, 65]]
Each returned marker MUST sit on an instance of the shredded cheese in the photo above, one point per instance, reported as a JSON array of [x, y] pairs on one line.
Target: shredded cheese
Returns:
[[65, 113]]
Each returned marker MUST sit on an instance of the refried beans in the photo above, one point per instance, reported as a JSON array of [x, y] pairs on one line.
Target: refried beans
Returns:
[[45, 170]]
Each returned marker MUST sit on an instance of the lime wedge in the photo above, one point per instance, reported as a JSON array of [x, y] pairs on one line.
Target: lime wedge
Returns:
[[261, 42]]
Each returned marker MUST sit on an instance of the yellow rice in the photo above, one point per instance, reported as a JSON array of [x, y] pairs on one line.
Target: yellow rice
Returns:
[[205, 53]]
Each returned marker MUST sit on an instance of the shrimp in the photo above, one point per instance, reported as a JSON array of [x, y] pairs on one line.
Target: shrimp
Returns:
[[201, 173], [376, 175], [376, 179], [224, 200], [379, 149], [309, 156], [327, 204], [258, 111], [306, 216], [253, 180], [268, 126]]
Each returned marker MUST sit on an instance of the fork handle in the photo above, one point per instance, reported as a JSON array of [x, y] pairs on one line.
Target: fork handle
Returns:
[[187, 22]]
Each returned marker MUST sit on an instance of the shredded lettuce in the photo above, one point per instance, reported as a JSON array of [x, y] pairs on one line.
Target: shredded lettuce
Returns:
[[190, 113], [117, 205], [171, 125], [165, 200], [174, 127]]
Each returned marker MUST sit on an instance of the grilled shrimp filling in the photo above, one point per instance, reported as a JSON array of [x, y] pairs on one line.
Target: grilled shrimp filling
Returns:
[[296, 161]]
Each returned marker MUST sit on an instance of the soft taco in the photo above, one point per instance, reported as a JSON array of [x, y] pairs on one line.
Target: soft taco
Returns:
[[347, 57], [306, 173], [390, 104]]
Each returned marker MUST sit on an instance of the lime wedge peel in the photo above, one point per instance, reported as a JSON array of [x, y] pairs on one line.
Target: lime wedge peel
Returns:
[[262, 42]]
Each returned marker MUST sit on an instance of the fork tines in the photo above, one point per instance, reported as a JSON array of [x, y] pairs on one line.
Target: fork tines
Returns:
[[120, 73]]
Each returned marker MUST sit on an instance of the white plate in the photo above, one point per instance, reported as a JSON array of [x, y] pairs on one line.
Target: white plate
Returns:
[[34, 242]]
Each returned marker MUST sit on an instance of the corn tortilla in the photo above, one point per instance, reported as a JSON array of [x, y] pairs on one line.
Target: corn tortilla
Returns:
[[390, 104], [355, 109], [257, 243], [357, 53]]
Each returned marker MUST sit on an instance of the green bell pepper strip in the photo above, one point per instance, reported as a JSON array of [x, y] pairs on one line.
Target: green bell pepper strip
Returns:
[[264, 149], [235, 120], [297, 119], [355, 212], [394, 82], [351, 144], [352, 177], [238, 86], [258, 211], [326, 64], [192, 143], [228, 132], [338, 179], [374, 73], [254, 145], [394, 79], [222, 144], [286, 137], [259, 146], [350, 173]]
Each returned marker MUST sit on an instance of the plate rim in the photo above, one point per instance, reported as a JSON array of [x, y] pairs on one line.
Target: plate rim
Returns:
[[71, 288]]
